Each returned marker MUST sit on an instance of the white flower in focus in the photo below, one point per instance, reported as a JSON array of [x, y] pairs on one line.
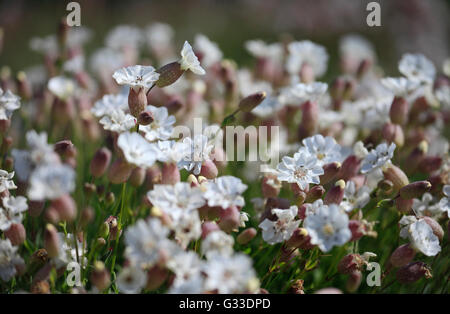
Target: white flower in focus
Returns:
[[131, 280], [328, 227], [324, 148], [118, 121], [354, 198], [110, 103], [162, 126], [445, 201], [200, 150], [9, 259], [210, 51], [306, 53], [420, 235], [136, 77], [6, 182], [136, 150], [8, 103], [378, 157], [62, 87], [51, 181], [302, 169], [189, 60], [147, 243], [424, 207], [225, 191], [176, 199], [417, 67], [400, 86], [171, 151], [281, 229], [12, 210], [217, 243]]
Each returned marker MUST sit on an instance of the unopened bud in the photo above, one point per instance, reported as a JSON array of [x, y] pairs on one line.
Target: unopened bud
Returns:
[[415, 189], [270, 186], [250, 102], [156, 277], [386, 186], [137, 177], [402, 255], [100, 276], [335, 194], [430, 164], [393, 133], [104, 230], [329, 172], [170, 173], [110, 198], [399, 111], [65, 149], [209, 169], [16, 234], [89, 189], [353, 281], [87, 215], [208, 227], [169, 74], [145, 118], [350, 263], [51, 241], [403, 206], [119, 172], [349, 168], [8, 164], [435, 226], [310, 116], [174, 105], [229, 219], [298, 239], [114, 231], [246, 236], [153, 176], [357, 229], [415, 157], [100, 162], [66, 207], [137, 101], [396, 176], [413, 272], [315, 193]]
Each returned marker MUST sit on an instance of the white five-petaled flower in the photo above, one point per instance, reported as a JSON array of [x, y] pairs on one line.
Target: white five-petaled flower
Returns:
[[110, 103], [118, 121], [9, 259], [328, 227], [306, 53], [445, 201], [281, 229], [199, 150], [400, 86], [302, 169], [51, 181], [189, 60], [162, 126], [425, 207], [172, 151], [131, 279], [136, 77], [188, 227], [12, 210], [225, 191], [301, 92], [6, 182], [136, 150], [378, 157], [354, 198], [8, 103], [260, 49], [211, 53], [187, 267], [62, 87], [324, 148], [417, 67], [420, 235], [217, 243]]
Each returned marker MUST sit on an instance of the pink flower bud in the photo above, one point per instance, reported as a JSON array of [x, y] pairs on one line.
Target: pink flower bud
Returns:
[[403, 206], [357, 228], [310, 116], [209, 169], [16, 234], [412, 272], [86, 217], [353, 281], [415, 157], [137, 101], [250, 102], [396, 176], [415, 189], [100, 276], [208, 227], [330, 171], [65, 149], [52, 215], [399, 111], [137, 177], [299, 238], [393, 133], [156, 277], [174, 105], [430, 164], [402, 255], [145, 118], [349, 168], [246, 236], [66, 208], [169, 74], [350, 263], [100, 162], [435, 226], [119, 172], [51, 241], [335, 194], [153, 176], [270, 186], [315, 193], [229, 219], [170, 173]]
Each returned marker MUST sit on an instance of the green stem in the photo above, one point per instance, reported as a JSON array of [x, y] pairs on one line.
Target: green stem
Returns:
[[119, 226]]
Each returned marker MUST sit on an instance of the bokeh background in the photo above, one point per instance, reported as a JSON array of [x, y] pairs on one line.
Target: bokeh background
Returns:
[[407, 25]]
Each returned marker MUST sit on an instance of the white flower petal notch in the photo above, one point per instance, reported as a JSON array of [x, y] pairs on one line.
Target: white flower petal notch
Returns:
[[137, 77], [189, 60]]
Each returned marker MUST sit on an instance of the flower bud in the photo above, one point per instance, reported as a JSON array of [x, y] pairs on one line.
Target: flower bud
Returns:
[[23, 85], [415, 189], [329, 172], [51, 241], [110, 198], [113, 228], [306, 73], [393, 133], [246, 236], [250, 102], [350, 263], [415, 157], [169, 74], [386, 187], [328, 291], [335, 194], [100, 276], [8, 164], [137, 177], [170, 173], [353, 281], [399, 111], [156, 277], [145, 118], [299, 238], [87, 215], [208, 227], [403, 206], [65, 149], [310, 116], [435, 226], [66, 207], [349, 168], [104, 230], [174, 105], [315, 193], [402, 255], [16, 234], [229, 219], [209, 169], [89, 189], [40, 287], [363, 67], [153, 176], [100, 162], [413, 272], [270, 186], [119, 172], [137, 101], [357, 229], [396, 176], [52, 215], [430, 164]]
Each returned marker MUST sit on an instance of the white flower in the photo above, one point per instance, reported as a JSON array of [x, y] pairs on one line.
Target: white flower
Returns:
[[378, 157], [303, 169], [324, 148], [187, 267], [225, 192], [243, 218], [445, 201], [309, 53], [281, 229], [200, 150], [260, 49], [176, 199], [300, 93], [9, 259], [400, 86], [230, 275], [420, 235], [189, 60], [162, 126], [131, 279], [417, 67], [217, 243], [8, 103], [51, 181], [147, 243], [211, 53], [12, 210], [110, 103], [136, 77], [118, 121], [424, 207], [124, 36], [136, 150], [442, 94], [171, 151], [159, 34], [354, 49], [74, 65], [62, 87], [67, 251], [6, 182], [328, 227], [354, 199], [105, 61], [188, 227], [311, 208]]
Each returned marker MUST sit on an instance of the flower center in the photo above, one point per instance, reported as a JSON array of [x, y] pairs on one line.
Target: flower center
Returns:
[[300, 172], [328, 229]]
